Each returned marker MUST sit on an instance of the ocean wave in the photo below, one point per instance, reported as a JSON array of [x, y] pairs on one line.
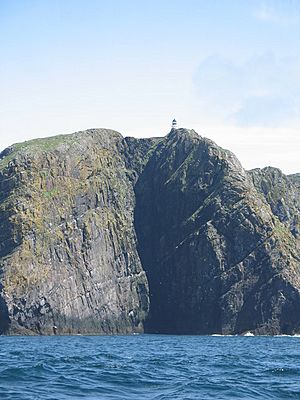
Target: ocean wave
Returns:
[[149, 367]]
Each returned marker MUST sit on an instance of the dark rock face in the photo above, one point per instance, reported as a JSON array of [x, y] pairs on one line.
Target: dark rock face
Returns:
[[217, 259], [89, 220], [283, 195], [4, 318], [69, 260], [295, 178]]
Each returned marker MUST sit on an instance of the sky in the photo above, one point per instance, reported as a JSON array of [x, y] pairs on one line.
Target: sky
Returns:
[[229, 69]]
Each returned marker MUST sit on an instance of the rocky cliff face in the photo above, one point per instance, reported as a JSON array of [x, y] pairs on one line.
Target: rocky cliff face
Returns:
[[101, 234], [69, 261], [217, 258], [282, 194]]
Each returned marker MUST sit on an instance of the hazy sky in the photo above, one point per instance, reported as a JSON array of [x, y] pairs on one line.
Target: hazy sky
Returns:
[[230, 69]]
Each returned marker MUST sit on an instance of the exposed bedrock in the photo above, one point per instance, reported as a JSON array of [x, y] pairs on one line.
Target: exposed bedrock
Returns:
[[217, 258], [68, 246], [101, 234]]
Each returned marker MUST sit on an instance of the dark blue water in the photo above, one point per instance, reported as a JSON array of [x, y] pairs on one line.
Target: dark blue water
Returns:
[[149, 367]]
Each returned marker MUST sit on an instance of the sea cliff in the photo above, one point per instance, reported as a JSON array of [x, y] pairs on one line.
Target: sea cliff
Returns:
[[104, 234]]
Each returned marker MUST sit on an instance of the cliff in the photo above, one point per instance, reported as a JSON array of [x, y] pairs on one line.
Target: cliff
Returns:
[[105, 234], [69, 262]]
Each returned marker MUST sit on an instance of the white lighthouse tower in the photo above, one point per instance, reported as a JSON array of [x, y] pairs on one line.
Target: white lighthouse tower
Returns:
[[174, 124]]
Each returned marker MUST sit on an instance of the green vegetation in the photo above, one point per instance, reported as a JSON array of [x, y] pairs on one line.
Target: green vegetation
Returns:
[[51, 193], [37, 145]]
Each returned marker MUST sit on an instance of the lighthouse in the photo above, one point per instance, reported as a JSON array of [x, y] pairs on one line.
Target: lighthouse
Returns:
[[174, 124]]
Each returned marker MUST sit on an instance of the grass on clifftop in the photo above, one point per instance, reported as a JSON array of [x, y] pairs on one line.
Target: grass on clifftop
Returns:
[[36, 145]]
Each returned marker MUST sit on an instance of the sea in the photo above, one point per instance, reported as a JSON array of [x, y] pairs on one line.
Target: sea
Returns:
[[149, 367]]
